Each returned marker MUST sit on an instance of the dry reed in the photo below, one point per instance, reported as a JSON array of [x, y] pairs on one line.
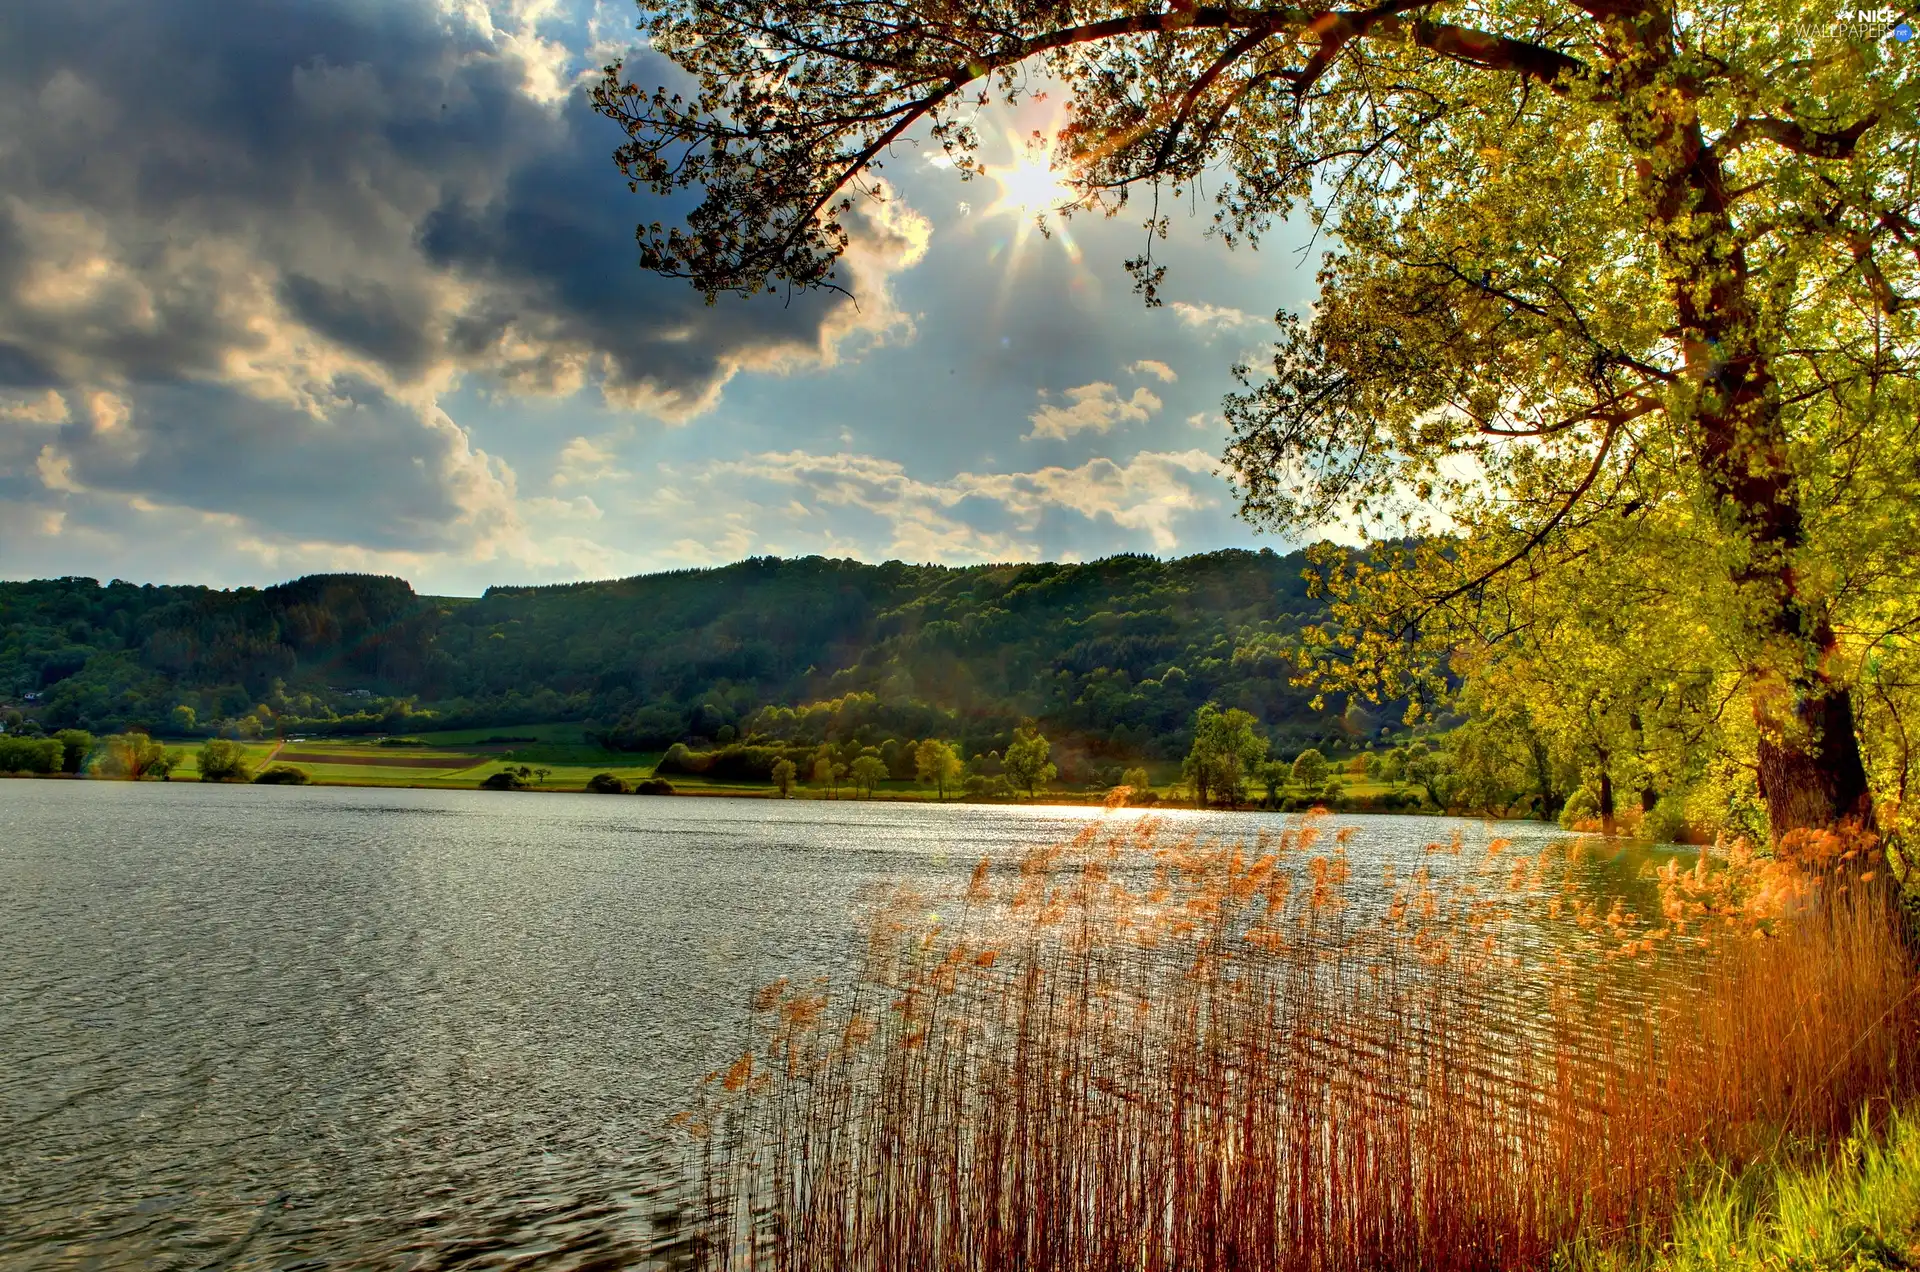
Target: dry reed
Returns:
[[1143, 1053]]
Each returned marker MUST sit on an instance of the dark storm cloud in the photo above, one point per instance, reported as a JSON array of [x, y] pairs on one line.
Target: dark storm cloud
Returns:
[[303, 205], [369, 470]]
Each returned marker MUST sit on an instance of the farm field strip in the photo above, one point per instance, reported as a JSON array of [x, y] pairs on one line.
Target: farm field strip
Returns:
[[372, 759]]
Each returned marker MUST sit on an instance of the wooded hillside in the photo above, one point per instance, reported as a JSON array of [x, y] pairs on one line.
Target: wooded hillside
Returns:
[[1116, 653]]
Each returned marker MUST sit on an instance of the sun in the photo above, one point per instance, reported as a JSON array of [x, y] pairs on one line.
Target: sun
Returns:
[[1030, 185]]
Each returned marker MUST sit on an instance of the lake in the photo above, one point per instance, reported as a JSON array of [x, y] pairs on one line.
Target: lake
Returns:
[[272, 1027]]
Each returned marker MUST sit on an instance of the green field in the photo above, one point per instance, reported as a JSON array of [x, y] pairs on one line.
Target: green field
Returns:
[[460, 759]]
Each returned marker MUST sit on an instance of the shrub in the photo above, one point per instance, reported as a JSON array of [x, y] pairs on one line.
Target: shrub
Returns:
[[653, 786], [606, 784], [30, 755], [1580, 806], [978, 786], [75, 746], [743, 762], [135, 755], [504, 780], [224, 761], [282, 775]]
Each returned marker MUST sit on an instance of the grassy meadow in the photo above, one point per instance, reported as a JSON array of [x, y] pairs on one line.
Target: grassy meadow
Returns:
[[459, 759], [463, 758]]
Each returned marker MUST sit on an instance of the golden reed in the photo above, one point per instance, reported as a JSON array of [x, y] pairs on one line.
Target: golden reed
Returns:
[[1135, 1052]]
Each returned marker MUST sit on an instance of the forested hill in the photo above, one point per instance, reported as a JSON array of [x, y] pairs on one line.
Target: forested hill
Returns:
[[1115, 653]]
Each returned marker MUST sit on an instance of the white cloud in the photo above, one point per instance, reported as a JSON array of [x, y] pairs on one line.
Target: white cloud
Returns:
[[927, 520], [1096, 407], [1211, 317], [1146, 493], [44, 408], [583, 462], [1154, 367]]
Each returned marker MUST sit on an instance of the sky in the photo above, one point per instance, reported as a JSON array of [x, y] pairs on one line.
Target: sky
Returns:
[[290, 286]]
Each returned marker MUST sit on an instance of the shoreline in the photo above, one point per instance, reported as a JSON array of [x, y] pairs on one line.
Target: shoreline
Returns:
[[1044, 800]]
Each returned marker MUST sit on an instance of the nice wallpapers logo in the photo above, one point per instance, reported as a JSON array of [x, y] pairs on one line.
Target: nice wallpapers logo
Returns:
[[1876, 23]]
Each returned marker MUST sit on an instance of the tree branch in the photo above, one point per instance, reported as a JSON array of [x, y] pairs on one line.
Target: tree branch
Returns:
[[1797, 137]]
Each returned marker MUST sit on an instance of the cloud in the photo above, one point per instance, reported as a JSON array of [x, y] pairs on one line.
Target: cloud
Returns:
[[365, 468], [1149, 366], [583, 462], [1095, 407], [1211, 317], [941, 520], [1145, 494], [46, 407], [330, 215]]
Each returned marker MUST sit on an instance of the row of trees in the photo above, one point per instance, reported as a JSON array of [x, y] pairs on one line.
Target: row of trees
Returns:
[[1230, 754], [932, 762], [134, 756]]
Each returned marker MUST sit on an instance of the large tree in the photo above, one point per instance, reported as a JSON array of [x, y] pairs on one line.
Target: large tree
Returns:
[[1611, 276]]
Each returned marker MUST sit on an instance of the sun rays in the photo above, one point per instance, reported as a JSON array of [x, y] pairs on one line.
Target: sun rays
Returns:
[[1035, 196]]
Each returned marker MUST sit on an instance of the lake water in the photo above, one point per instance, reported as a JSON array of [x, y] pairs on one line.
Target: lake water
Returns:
[[287, 1027]]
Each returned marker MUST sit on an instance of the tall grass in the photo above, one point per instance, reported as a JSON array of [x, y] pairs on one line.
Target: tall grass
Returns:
[[1138, 1052]]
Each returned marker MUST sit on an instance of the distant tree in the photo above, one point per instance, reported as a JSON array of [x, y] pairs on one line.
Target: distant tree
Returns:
[[1026, 761], [868, 772], [28, 755], [524, 772], [76, 745], [542, 773], [184, 719], [1273, 775], [1432, 772], [504, 780], [783, 775], [282, 775], [222, 760], [937, 765], [1310, 772], [606, 784], [823, 773], [1228, 747], [133, 756]]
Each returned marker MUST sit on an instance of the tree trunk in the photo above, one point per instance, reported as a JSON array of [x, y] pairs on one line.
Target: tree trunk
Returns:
[[1811, 774], [1543, 778], [1606, 801]]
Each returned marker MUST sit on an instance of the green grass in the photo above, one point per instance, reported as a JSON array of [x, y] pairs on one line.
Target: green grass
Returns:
[[563, 749], [563, 734], [1856, 1211], [189, 751]]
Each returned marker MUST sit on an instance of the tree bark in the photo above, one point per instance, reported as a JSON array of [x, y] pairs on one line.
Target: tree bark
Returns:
[[1811, 773]]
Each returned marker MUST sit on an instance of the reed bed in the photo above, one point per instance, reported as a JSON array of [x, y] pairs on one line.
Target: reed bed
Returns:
[[1142, 1052]]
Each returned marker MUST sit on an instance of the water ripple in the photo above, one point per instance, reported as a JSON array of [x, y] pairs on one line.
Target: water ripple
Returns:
[[251, 1027]]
